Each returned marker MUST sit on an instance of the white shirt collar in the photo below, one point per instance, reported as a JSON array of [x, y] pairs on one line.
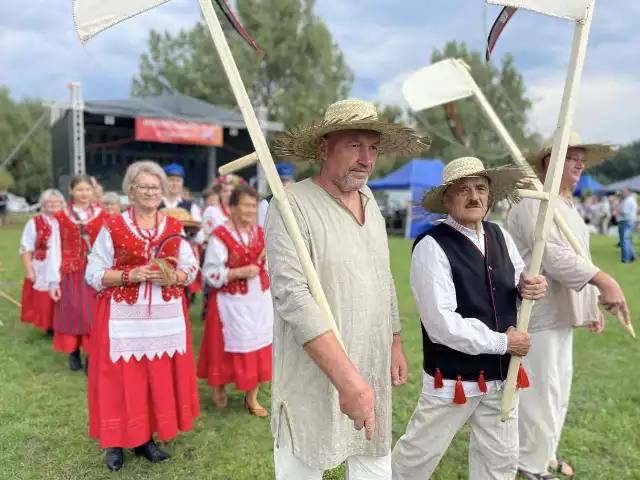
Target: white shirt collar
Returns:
[[462, 229]]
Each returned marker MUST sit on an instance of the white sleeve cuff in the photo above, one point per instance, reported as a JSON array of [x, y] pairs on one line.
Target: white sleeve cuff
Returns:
[[500, 345]]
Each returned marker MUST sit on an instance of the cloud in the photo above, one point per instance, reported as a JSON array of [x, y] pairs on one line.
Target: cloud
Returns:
[[42, 52], [608, 107], [383, 42]]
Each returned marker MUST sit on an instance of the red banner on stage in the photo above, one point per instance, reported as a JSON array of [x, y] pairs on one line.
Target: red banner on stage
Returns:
[[175, 131]]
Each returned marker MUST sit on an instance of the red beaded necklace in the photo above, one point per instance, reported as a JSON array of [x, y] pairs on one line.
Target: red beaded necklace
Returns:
[[150, 235], [250, 234]]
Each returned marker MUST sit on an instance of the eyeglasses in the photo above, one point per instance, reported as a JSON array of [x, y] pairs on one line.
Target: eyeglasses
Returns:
[[574, 159], [150, 189]]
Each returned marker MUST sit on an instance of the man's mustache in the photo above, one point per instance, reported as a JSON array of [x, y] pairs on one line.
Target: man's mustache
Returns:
[[473, 204]]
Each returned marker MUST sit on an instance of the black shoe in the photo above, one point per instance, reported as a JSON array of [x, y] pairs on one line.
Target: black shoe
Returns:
[[114, 459], [151, 452], [75, 364], [50, 332]]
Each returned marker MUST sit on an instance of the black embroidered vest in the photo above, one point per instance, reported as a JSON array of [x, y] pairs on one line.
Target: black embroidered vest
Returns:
[[186, 204], [485, 289]]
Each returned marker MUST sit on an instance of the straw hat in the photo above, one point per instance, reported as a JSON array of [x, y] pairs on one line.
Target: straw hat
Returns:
[[183, 215], [304, 141], [594, 153], [503, 182]]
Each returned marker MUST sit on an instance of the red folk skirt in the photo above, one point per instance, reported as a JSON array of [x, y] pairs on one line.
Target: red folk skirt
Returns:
[[219, 368], [37, 307], [130, 401], [73, 314]]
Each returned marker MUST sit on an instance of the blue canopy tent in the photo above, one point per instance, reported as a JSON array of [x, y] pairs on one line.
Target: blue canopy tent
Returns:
[[416, 176], [587, 182]]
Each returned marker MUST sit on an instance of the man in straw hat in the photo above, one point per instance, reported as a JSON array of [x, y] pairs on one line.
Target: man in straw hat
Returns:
[[574, 284], [466, 277], [322, 397]]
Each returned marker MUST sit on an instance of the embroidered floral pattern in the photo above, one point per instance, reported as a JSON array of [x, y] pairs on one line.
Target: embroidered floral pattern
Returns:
[[240, 256], [73, 248], [131, 251], [43, 234]]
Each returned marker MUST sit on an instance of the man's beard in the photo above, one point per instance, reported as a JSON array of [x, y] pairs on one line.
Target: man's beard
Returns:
[[349, 183]]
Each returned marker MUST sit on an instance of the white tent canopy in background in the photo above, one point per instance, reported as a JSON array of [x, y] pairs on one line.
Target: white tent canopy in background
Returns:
[[445, 84], [570, 9]]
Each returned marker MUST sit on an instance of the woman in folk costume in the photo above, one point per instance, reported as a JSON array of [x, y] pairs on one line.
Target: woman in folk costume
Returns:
[[37, 305], [238, 332], [143, 378], [216, 215], [72, 237]]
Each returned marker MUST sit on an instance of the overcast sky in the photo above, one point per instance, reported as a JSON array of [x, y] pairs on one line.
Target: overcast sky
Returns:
[[40, 52]]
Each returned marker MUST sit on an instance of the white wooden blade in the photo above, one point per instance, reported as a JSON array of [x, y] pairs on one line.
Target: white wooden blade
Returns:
[[93, 16], [575, 10], [436, 84]]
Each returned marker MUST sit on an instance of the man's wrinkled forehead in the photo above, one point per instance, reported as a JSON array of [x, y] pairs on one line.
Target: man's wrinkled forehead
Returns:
[[472, 181], [370, 136]]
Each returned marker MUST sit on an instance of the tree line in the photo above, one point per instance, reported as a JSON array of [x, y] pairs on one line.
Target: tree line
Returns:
[[303, 70]]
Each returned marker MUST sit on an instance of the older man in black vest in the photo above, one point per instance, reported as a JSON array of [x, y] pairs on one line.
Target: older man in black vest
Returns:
[[466, 276]]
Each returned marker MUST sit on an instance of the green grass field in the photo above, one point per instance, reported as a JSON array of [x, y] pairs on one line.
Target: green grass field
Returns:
[[43, 413]]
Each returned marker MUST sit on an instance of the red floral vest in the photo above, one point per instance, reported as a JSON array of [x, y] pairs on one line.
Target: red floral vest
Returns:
[[43, 234], [74, 249], [131, 252], [241, 256]]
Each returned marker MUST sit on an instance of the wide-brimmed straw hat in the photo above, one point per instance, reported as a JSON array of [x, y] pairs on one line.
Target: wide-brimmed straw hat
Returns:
[[594, 153], [183, 216], [503, 182], [304, 141]]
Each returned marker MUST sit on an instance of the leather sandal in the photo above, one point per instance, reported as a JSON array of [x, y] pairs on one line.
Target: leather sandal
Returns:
[[537, 476], [563, 468], [257, 411]]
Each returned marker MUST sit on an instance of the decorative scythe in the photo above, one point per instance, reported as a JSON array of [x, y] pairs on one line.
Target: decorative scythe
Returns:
[[451, 79], [94, 16], [581, 12]]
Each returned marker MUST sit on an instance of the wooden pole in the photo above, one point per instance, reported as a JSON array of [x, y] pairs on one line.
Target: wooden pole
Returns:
[[264, 155], [551, 187]]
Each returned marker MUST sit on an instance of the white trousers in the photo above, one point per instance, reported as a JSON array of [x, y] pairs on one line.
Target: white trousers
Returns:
[[290, 467], [544, 405], [493, 448]]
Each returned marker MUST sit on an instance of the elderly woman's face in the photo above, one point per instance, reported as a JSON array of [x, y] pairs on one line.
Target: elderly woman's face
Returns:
[[52, 205], [246, 212], [112, 208], [146, 191], [467, 200]]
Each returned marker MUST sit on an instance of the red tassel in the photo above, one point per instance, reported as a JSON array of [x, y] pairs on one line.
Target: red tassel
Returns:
[[437, 380], [482, 385], [459, 398], [523, 379]]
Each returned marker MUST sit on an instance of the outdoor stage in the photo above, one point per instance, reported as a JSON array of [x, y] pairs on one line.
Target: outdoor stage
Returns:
[[167, 128]]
